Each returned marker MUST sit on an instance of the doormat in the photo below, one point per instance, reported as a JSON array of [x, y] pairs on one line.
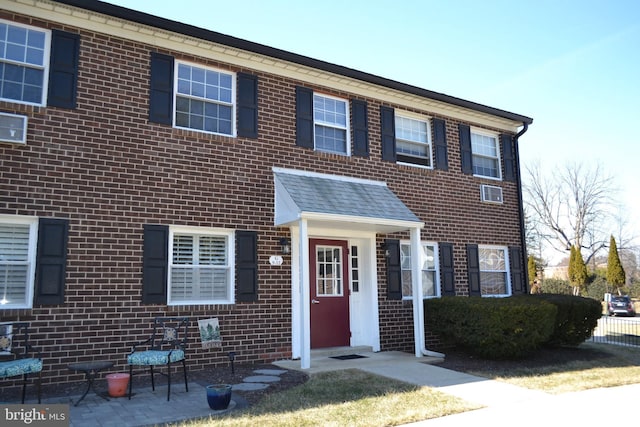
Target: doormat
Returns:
[[349, 357]]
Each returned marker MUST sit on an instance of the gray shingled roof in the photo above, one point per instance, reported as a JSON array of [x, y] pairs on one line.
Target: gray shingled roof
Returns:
[[359, 198]]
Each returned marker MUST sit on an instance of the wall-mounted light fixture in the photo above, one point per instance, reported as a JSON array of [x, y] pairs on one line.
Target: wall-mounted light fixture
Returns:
[[385, 248], [285, 244]]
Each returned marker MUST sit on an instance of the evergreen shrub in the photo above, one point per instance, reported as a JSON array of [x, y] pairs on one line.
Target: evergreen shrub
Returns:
[[556, 286], [576, 318], [491, 328]]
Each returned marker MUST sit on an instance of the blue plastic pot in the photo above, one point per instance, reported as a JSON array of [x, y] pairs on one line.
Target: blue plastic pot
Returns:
[[218, 396]]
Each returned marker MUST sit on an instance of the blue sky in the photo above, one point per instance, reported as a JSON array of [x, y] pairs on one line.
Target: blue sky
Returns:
[[573, 66]]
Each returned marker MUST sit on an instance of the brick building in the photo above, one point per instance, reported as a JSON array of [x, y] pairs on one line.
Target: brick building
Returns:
[[150, 168]]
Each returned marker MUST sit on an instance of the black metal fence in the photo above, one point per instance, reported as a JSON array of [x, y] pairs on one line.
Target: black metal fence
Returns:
[[617, 330]]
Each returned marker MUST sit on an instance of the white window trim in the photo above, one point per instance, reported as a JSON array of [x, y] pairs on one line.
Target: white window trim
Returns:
[[32, 222], [233, 103], [496, 137], [230, 235], [507, 271], [46, 66], [347, 128], [427, 120], [436, 255]]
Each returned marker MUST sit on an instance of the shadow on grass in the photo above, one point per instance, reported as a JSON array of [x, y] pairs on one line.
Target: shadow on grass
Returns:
[[588, 356]]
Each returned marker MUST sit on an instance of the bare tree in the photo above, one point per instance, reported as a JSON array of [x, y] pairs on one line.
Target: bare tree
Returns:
[[572, 208]]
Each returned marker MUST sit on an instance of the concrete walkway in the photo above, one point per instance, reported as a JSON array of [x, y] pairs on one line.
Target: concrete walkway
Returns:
[[425, 372]]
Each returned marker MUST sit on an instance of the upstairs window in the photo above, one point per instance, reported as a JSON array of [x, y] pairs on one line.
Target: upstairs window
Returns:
[[204, 99], [486, 154], [330, 118], [201, 267], [24, 60], [413, 141]]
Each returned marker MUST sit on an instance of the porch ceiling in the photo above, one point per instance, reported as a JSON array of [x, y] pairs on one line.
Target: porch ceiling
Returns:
[[338, 202]]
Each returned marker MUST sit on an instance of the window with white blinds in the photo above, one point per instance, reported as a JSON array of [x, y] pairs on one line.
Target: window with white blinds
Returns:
[[17, 258], [430, 270], [200, 268]]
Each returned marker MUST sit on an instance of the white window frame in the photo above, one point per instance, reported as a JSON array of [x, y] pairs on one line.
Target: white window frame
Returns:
[[333, 125], [436, 255], [429, 143], [231, 105], [506, 271], [230, 264], [355, 268], [32, 222], [44, 66], [474, 155], [338, 281]]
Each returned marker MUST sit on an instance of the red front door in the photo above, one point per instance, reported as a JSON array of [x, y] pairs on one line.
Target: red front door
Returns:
[[329, 282]]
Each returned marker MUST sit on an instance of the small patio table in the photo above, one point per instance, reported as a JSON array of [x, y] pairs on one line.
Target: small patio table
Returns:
[[90, 370]]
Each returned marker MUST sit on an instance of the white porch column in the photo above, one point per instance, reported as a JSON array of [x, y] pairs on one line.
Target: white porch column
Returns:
[[296, 310], [305, 298], [416, 284]]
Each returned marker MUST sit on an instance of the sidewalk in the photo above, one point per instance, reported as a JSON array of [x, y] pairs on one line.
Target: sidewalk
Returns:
[[595, 407]]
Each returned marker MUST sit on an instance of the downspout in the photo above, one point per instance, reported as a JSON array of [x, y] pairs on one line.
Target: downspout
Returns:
[[418, 303], [523, 237]]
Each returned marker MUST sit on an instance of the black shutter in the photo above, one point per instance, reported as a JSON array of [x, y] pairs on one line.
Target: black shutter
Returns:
[[63, 72], [388, 133], [508, 154], [247, 265], [394, 269], [440, 144], [161, 89], [360, 128], [473, 270], [304, 117], [447, 278], [517, 272], [247, 105], [51, 261], [465, 149], [155, 264]]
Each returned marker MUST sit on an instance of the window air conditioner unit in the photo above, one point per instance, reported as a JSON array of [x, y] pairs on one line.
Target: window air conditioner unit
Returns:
[[13, 128], [491, 194]]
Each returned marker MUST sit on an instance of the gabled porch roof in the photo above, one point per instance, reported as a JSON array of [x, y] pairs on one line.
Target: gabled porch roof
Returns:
[[339, 201]]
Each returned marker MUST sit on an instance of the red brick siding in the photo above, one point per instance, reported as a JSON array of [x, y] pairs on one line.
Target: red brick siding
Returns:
[[109, 171]]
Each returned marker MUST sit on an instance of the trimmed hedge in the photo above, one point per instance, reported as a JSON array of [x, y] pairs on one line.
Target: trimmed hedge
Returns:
[[513, 327], [492, 328], [576, 318]]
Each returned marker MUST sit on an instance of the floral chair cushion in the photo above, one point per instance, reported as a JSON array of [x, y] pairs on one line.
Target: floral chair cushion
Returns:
[[20, 367], [155, 357]]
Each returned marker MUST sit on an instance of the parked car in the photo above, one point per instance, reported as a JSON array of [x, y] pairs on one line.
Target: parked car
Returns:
[[622, 305]]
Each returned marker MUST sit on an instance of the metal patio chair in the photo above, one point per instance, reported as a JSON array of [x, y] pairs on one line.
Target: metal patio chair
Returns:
[[166, 346], [18, 356]]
